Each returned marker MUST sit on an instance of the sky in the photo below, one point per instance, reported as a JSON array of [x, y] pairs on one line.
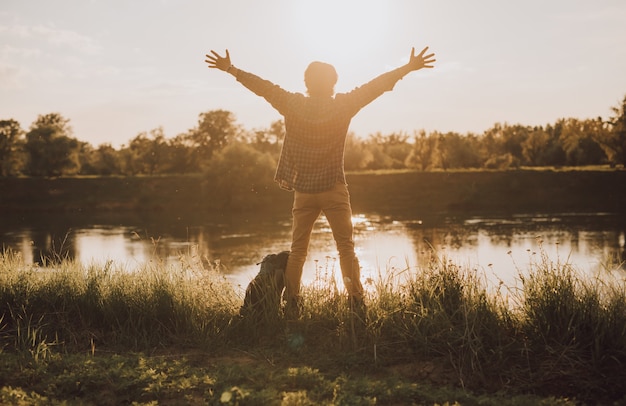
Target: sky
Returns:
[[118, 68]]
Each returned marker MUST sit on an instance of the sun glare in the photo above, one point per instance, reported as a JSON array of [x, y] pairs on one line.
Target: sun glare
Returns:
[[337, 31]]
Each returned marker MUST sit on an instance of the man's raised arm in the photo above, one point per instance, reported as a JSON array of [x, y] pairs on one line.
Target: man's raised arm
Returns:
[[279, 98]]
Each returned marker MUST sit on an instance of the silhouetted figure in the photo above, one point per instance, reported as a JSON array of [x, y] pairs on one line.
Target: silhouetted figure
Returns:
[[311, 159]]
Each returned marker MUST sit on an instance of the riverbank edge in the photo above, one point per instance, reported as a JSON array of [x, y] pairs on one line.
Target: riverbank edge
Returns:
[[450, 192]]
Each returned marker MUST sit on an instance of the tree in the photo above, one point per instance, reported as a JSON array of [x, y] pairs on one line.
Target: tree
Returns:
[[395, 146], [618, 123], [356, 155], [86, 159], [268, 140], [542, 147], [534, 147], [422, 154], [497, 150], [157, 154], [492, 145], [180, 154], [613, 142], [104, 160], [240, 177], [50, 148], [216, 128], [148, 150], [457, 151], [10, 146], [377, 158], [577, 141]]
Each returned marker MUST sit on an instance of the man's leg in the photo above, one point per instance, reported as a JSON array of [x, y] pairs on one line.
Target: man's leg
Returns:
[[336, 207], [305, 211]]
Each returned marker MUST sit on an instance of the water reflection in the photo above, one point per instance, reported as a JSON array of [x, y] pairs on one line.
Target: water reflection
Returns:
[[498, 247]]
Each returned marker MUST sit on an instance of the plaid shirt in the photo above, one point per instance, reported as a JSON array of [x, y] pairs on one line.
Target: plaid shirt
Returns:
[[311, 159]]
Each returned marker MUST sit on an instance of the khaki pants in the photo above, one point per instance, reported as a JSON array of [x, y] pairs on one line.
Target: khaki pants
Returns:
[[335, 204]]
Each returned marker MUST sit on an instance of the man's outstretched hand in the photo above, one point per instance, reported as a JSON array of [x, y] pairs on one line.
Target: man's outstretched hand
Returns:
[[216, 61], [420, 60]]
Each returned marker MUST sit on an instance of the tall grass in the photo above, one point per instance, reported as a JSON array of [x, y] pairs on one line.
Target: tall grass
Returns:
[[573, 328], [557, 333], [447, 313], [91, 306]]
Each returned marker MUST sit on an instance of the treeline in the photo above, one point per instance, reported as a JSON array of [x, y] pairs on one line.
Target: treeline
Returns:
[[220, 146]]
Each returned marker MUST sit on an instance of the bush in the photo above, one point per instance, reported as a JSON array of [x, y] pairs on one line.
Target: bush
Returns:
[[240, 177]]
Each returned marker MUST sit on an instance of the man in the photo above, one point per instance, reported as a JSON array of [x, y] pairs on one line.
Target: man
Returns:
[[311, 159]]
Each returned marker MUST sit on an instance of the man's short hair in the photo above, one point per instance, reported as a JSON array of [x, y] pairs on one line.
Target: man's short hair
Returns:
[[320, 79]]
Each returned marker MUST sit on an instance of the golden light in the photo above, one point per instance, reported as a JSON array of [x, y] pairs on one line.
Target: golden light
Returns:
[[339, 31]]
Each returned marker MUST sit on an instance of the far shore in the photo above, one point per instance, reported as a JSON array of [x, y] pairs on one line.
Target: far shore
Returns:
[[429, 193]]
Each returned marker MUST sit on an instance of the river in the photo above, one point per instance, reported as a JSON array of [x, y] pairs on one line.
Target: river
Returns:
[[498, 247]]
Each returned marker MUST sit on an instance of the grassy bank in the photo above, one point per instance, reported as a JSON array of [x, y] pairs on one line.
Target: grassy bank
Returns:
[[491, 192], [172, 335], [466, 192]]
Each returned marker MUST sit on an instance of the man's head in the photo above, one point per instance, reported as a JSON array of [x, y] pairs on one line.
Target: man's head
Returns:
[[320, 79]]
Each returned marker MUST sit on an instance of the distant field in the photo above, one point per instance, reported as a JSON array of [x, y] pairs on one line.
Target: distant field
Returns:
[[549, 191]]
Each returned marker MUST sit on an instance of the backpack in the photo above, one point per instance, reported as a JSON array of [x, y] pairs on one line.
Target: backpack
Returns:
[[264, 292]]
